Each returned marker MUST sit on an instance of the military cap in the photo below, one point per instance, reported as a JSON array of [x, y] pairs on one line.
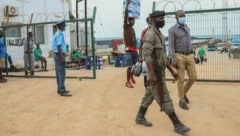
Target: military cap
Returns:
[[61, 22], [157, 13]]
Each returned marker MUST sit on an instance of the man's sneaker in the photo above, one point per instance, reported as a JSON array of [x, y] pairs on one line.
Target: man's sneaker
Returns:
[[26, 73], [183, 105], [181, 129], [143, 121], [64, 93], [133, 81], [129, 85], [186, 99]]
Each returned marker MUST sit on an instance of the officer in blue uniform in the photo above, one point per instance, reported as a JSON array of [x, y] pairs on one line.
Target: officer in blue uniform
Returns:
[[59, 48]]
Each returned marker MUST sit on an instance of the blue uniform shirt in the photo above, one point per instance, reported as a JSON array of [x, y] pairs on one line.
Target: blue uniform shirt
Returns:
[[58, 39], [2, 49]]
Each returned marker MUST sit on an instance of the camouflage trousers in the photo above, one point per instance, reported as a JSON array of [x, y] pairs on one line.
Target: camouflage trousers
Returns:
[[152, 93]]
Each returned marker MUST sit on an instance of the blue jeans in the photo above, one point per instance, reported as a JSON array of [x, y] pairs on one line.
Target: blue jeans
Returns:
[[131, 58], [60, 73], [9, 57]]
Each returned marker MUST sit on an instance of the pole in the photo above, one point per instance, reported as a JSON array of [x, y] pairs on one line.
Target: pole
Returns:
[[86, 26], [154, 6], [94, 14], [77, 26], [225, 21], [28, 47], [93, 48]]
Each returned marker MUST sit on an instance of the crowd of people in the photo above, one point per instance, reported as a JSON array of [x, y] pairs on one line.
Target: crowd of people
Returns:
[[180, 60], [33, 54]]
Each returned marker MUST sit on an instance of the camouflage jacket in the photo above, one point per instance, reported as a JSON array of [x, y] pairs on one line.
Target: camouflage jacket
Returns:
[[154, 49]]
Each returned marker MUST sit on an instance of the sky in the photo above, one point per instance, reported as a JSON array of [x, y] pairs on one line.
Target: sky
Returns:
[[112, 18], [109, 18]]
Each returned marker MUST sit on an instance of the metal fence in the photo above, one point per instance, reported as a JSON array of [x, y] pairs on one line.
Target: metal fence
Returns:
[[218, 31], [43, 34]]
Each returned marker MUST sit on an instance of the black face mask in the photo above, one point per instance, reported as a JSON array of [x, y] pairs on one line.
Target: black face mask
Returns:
[[160, 24]]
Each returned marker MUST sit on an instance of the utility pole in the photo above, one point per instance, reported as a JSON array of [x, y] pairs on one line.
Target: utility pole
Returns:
[[225, 21], [77, 26], [86, 28]]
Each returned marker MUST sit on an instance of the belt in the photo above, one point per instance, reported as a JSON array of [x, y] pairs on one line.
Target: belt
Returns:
[[28, 52], [131, 49], [184, 53]]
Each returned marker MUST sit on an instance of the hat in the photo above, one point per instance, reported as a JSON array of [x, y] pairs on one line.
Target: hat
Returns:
[[61, 22], [157, 13]]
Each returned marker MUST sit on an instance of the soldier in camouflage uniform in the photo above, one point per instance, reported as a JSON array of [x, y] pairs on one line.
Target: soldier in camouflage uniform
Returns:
[[155, 57]]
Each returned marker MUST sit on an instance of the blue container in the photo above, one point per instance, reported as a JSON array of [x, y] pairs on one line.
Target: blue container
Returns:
[[89, 62], [99, 62], [116, 64]]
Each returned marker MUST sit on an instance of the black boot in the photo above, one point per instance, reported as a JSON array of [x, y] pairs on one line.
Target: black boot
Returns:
[[186, 99], [45, 66], [140, 119], [32, 73], [26, 73], [178, 126]]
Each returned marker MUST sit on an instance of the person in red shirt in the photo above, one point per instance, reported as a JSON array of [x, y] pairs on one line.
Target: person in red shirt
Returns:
[[130, 42]]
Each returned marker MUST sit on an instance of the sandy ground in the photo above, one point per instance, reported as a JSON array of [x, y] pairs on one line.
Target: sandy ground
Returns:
[[105, 107]]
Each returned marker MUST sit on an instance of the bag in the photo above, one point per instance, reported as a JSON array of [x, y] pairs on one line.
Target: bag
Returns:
[[196, 60], [205, 59], [137, 69], [144, 68]]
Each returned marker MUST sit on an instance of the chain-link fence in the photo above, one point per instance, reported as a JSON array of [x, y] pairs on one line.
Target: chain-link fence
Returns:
[[218, 32]]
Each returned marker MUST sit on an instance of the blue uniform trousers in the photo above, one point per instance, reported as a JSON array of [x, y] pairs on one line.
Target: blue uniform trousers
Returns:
[[60, 73]]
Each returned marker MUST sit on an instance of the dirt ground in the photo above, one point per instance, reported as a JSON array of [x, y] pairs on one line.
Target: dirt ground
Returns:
[[105, 107]]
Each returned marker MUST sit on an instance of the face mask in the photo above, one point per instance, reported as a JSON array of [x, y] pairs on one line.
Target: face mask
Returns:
[[160, 24], [182, 20]]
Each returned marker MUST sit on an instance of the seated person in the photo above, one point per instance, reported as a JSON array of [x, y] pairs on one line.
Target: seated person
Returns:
[[77, 57], [38, 56]]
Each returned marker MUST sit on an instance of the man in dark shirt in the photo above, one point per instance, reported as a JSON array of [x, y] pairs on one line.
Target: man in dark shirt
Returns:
[[130, 42]]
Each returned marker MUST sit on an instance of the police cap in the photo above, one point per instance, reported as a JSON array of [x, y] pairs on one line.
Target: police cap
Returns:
[[157, 13], [61, 22]]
